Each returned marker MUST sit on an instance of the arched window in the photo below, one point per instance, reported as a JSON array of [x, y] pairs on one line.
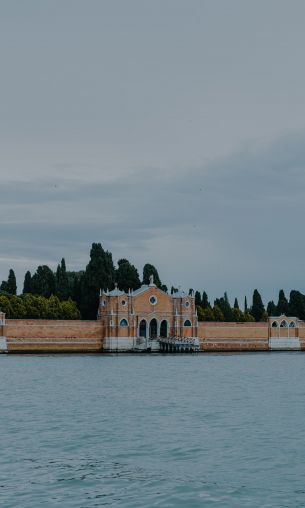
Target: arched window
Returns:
[[275, 324], [284, 324], [187, 323], [142, 328], [292, 324], [163, 328], [124, 322], [153, 329]]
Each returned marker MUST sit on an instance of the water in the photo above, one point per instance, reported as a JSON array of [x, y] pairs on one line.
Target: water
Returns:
[[207, 430]]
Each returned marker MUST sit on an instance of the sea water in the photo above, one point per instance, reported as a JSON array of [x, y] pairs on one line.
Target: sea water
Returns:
[[210, 430]]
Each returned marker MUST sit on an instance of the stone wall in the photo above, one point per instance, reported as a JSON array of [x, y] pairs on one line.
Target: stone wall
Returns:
[[30, 335], [26, 335], [215, 336]]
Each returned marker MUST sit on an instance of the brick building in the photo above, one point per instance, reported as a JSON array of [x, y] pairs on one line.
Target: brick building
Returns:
[[141, 319]]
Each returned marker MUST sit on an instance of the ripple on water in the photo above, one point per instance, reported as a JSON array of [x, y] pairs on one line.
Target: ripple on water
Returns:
[[191, 431]]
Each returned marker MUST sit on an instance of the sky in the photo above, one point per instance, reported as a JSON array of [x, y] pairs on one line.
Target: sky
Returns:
[[171, 131]]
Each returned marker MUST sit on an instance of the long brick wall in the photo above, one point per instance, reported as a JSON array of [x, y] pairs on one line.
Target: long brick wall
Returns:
[[215, 336], [26, 335]]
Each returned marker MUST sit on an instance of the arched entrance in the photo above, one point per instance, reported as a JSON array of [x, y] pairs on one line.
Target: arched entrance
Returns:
[[163, 329], [153, 329], [142, 328]]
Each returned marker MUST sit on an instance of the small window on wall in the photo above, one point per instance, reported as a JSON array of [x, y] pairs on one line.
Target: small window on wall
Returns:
[[123, 303], [292, 324], [275, 324], [123, 322], [187, 323]]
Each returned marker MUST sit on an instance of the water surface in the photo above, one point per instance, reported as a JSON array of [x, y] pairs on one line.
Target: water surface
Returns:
[[219, 430]]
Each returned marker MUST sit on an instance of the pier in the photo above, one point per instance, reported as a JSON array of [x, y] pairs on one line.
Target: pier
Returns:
[[179, 345]]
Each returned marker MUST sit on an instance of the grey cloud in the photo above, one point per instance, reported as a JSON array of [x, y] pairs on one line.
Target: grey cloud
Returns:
[[227, 217]]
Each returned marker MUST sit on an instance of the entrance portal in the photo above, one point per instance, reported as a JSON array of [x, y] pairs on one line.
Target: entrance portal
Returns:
[[153, 329], [163, 329], [142, 328]]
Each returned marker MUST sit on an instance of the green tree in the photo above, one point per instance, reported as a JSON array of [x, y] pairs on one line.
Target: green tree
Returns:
[[99, 274], [62, 281], [149, 270], [5, 305], [3, 287], [18, 307], [271, 308], [296, 305], [53, 307], [249, 317], [205, 314], [257, 309], [127, 276], [198, 301], [43, 282], [27, 285], [224, 304], [245, 306], [236, 306], [282, 306], [35, 305], [69, 310], [205, 301], [239, 316], [9, 286], [218, 314], [11, 283]]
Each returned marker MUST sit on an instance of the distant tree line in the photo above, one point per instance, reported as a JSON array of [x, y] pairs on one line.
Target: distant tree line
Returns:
[[221, 310], [77, 289], [63, 294]]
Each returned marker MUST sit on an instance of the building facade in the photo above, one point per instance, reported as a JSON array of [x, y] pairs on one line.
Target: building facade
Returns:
[[147, 318]]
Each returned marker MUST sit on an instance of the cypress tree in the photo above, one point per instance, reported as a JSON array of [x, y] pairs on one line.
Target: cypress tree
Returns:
[[205, 301], [198, 301], [127, 276], [282, 306], [43, 282], [11, 283], [224, 305], [245, 306], [236, 306], [297, 304], [99, 274], [258, 308], [271, 308], [27, 285], [3, 287], [149, 270], [9, 286], [62, 281]]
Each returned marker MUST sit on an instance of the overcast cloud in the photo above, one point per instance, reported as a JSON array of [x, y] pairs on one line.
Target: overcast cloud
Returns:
[[172, 132]]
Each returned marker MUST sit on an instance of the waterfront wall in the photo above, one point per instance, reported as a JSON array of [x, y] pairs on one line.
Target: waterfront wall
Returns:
[[26, 335], [214, 336], [34, 336]]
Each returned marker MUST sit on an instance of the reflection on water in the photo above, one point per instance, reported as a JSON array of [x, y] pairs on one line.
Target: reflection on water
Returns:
[[151, 430]]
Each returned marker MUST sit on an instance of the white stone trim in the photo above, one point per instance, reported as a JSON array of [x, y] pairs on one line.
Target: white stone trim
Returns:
[[3, 344], [284, 344]]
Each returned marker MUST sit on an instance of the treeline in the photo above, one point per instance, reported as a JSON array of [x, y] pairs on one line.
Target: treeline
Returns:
[[78, 289], [221, 310], [63, 294], [37, 307]]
